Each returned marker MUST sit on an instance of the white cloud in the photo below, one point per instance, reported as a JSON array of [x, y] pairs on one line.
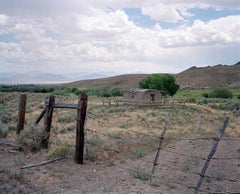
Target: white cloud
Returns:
[[97, 35], [215, 32], [11, 51], [3, 19], [162, 12]]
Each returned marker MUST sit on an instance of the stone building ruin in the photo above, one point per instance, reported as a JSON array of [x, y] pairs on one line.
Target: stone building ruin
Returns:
[[143, 97]]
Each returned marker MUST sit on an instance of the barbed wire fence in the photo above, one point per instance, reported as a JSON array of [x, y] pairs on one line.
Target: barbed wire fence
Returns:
[[185, 157], [185, 163]]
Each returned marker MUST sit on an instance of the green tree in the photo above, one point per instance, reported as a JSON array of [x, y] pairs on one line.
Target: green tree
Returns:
[[166, 83]]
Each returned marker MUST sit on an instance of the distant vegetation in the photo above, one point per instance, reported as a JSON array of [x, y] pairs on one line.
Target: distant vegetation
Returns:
[[63, 90], [26, 88], [219, 93], [218, 98], [101, 92]]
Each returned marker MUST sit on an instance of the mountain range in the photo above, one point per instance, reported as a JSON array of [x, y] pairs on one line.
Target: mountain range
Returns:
[[194, 77], [35, 77]]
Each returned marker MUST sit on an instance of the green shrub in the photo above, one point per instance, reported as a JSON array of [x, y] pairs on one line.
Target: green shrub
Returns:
[[116, 92], [205, 95], [221, 93]]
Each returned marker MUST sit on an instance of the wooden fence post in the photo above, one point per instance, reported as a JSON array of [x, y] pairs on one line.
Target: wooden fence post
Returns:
[[81, 116], [155, 162], [210, 155], [49, 102], [21, 113]]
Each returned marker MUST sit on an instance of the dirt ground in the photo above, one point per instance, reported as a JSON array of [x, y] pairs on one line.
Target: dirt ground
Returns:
[[174, 173]]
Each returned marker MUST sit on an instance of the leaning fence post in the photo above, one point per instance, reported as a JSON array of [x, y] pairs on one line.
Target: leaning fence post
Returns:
[[212, 152], [161, 138], [21, 113], [81, 116], [49, 102]]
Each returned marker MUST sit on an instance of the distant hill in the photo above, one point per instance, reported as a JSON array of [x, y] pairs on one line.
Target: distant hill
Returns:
[[122, 81], [210, 77], [194, 77]]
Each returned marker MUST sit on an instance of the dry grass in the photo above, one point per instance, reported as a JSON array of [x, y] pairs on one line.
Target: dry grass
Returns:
[[126, 136], [117, 130]]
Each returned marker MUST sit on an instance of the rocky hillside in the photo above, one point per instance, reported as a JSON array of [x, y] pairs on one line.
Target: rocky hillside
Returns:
[[210, 77], [194, 77]]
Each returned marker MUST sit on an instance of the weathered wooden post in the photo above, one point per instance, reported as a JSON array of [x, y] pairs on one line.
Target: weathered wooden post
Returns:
[[81, 116], [21, 113], [49, 102], [210, 155], [155, 162]]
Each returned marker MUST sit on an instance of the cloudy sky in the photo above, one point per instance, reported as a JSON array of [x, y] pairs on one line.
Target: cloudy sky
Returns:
[[120, 36]]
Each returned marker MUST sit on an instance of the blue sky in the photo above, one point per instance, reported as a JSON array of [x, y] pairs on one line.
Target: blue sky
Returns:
[[117, 37]]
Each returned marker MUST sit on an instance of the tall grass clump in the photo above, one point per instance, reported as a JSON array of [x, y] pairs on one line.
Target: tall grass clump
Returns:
[[30, 139], [3, 130]]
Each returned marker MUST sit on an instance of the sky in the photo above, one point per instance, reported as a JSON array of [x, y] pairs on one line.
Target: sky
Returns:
[[117, 36]]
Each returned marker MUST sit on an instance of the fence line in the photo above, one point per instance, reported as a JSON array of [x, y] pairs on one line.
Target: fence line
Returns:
[[212, 152], [172, 152], [184, 155], [91, 116], [166, 151]]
